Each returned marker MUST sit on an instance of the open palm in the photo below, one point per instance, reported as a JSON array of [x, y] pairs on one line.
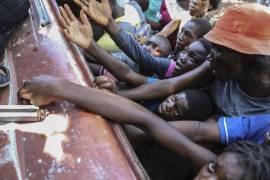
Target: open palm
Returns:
[[79, 32], [99, 11]]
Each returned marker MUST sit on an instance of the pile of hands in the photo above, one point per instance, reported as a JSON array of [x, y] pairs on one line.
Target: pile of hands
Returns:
[[39, 90]]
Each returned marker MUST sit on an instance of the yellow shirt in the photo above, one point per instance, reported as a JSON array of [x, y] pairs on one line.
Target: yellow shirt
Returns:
[[131, 16]]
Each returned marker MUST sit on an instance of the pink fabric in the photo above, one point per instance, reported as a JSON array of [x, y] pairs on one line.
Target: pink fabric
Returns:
[[165, 16], [170, 70]]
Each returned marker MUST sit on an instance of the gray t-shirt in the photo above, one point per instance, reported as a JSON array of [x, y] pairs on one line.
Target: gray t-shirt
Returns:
[[232, 101]]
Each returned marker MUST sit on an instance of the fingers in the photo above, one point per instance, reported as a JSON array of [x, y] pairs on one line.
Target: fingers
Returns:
[[67, 34], [82, 5], [85, 2], [108, 86], [100, 79], [84, 18], [70, 13], [64, 16], [63, 22]]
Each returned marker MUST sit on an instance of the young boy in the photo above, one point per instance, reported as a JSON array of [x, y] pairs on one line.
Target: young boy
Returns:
[[177, 106], [236, 161]]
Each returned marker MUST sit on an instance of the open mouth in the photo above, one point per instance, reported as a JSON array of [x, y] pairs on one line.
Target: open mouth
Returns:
[[192, 9], [162, 109]]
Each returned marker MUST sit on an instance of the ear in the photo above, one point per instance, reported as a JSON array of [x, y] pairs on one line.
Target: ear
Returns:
[[158, 51]]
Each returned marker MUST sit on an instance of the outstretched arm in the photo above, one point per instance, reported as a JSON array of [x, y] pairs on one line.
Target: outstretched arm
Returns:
[[199, 77], [124, 40], [170, 28], [118, 68], [80, 33], [117, 109]]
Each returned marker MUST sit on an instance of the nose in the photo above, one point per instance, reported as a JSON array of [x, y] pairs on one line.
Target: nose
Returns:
[[169, 105], [194, 2]]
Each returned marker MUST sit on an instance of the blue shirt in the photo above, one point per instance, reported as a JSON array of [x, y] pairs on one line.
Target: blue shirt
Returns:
[[159, 65], [252, 128]]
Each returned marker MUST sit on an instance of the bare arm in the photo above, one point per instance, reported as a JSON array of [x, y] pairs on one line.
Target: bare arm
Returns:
[[195, 130], [120, 110], [199, 77], [170, 28], [118, 68]]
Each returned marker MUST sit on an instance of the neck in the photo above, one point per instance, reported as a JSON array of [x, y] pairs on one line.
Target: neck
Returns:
[[253, 85]]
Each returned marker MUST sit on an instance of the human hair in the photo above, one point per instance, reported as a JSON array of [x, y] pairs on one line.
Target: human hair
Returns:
[[164, 44], [202, 26], [214, 4], [206, 44], [253, 158], [197, 110]]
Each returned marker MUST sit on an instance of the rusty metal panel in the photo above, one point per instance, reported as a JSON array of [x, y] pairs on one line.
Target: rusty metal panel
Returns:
[[70, 143]]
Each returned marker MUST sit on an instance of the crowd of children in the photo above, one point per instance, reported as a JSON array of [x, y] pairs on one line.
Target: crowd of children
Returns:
[[164, 67]]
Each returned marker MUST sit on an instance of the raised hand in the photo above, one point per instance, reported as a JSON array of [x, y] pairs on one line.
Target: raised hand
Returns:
[[103, 82], [39, 90], [99, 11], [79, 32]]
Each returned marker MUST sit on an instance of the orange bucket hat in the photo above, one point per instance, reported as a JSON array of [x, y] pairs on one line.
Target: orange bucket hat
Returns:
[[243, 28]]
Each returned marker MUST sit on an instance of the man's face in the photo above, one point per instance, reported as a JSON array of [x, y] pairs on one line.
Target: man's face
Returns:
[[186, 36], [174, 107], [191, 57], [198, 8], [225, 167], [153, 45], [225, 63]]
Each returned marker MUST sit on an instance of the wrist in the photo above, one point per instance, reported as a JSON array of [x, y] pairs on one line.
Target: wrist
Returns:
[[112, 27], [57, 88]]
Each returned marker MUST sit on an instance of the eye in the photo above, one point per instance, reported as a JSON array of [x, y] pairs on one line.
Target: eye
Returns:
[[186, 33], [177, 112], [211, 168], [147, 43]]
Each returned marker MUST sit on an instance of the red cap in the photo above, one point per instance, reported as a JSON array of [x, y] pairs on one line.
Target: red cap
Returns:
[[243, 28]]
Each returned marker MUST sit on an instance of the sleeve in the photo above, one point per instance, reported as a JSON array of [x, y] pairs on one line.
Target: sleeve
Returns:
[[252, 128], [126, 43], [231, 129]]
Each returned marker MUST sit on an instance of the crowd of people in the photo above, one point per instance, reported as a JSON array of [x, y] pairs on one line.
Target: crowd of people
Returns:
[[176, 76]]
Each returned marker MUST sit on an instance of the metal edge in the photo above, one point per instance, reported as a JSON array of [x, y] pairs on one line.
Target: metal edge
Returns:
[[121, 137]]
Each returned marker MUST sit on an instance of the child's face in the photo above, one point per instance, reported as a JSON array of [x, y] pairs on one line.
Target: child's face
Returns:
[[191, 57], [225, 167], [198, 8], [153, 45], [174, 107], [186, 36]]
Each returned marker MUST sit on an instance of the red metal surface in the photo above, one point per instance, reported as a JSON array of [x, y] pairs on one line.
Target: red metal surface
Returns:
[[70, 143]]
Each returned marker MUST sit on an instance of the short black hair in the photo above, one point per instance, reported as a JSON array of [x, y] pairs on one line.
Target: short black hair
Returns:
[[202, 26], [165, 44], [198, 111], [206, 44], [214, 4], [253, 158]]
